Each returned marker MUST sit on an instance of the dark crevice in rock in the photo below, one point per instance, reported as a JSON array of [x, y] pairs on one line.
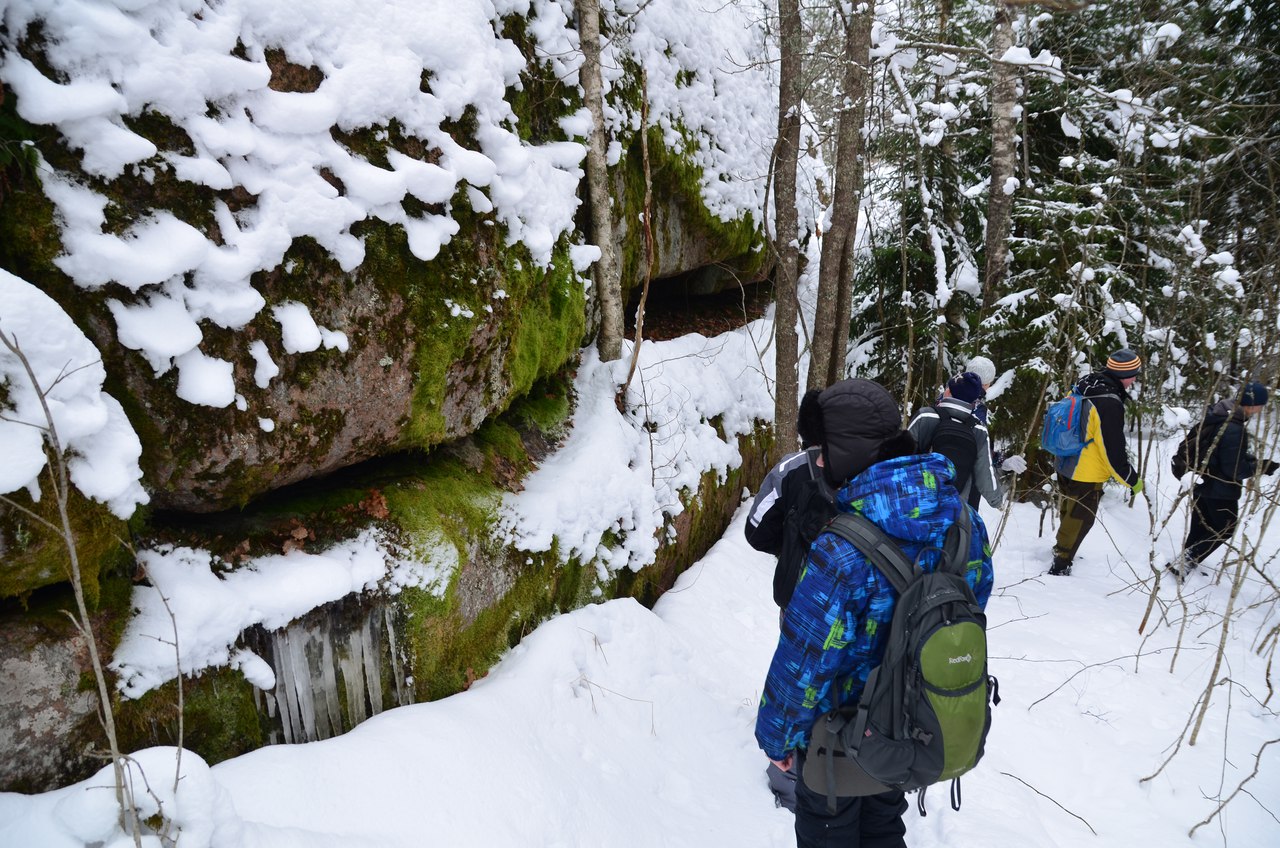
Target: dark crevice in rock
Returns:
[[681, 304]]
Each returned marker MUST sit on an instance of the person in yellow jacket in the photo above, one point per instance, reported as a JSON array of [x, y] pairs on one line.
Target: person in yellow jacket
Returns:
[[1105, 456]]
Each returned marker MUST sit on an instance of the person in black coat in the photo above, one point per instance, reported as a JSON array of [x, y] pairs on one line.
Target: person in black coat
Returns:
[[794, 502], [1215, 503]]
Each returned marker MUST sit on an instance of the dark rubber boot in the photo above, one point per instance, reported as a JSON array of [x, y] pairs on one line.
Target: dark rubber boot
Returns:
[[1061, 567]]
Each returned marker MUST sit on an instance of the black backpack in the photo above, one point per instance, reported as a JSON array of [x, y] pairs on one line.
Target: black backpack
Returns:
[[813, 506], [953, 438], [1195, 450], [925, 710]]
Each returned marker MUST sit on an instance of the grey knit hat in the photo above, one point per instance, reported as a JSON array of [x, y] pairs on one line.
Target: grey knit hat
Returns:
[[983, 367]]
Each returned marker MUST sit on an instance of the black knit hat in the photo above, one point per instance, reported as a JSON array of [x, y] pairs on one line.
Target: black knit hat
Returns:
[[1124, 363]]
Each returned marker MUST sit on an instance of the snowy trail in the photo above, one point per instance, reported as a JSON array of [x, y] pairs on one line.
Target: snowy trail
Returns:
[[616, 725]]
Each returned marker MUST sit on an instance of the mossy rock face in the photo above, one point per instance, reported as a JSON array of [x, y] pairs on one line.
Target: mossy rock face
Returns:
[[688, 241], [435, 348], [34, 555], [452, 389]]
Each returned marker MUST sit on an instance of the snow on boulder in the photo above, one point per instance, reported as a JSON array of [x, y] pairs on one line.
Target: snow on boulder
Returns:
[[101, 446]]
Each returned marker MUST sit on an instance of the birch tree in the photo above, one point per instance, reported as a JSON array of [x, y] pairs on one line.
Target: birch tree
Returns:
[[1004, 92], [1004, 95]]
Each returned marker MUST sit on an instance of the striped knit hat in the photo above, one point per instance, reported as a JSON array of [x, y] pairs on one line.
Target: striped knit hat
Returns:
[[1124, 363]]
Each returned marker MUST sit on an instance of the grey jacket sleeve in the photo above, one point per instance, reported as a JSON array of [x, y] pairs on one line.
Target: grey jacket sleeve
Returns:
[[984, 474]]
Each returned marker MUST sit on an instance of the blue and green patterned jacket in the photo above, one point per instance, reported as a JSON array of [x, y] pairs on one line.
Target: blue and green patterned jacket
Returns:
[[831, 629]]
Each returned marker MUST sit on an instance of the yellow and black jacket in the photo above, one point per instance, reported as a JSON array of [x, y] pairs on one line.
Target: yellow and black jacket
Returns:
[[1105, 455]]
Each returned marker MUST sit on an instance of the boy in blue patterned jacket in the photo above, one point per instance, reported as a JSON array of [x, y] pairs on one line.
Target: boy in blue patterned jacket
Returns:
[[832, 631]]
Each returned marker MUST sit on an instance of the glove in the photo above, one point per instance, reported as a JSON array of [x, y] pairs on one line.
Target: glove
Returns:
[[1272, 467], [1016, 464], [1137, 487]]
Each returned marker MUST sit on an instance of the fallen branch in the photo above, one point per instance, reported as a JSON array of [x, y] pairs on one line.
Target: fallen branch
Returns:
[[1052, 800]]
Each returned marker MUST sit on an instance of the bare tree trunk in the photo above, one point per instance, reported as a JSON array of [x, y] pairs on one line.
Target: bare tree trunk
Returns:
[[608, 281], [831, 325], [1004, 93], [786, 246], [648, 235], [844, 304]]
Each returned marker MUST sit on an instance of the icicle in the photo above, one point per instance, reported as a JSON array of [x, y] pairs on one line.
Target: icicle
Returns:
[[289, 718], [324, 687], [372, 673], [403, 696], [351, 664], [300, 683]]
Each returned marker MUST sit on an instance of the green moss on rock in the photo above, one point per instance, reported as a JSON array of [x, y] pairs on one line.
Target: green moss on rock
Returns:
[[35, 556], [734, 248], [542, 98], [478, 301], [220, 718]]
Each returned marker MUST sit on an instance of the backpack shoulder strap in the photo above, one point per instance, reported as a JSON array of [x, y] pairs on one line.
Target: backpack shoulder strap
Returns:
[[969, 420], [877, 547], [955, 550], [816, 475], [1101, 395]]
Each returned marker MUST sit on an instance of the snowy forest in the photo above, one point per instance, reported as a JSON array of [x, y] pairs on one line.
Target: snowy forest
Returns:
[[383, 385]]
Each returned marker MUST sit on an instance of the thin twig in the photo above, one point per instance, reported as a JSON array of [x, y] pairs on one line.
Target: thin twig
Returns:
[[1050, 799], [1257, 763]]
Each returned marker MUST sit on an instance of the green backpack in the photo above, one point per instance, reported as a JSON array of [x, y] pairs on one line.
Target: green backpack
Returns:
[[925, 710]]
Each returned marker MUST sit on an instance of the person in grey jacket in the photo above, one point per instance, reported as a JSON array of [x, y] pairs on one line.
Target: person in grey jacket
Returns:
[[1215, 503], [963, 391]]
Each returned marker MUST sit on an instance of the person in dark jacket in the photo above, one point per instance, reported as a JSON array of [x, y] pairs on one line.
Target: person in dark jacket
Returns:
[[1215, 503], [833, 628], [794, 503], [1104, 457]]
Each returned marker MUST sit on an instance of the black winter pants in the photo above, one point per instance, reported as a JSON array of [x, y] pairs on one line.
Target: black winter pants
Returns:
[[871, 822], [1213, 520]]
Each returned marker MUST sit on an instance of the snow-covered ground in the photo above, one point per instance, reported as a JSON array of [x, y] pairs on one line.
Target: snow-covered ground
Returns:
[[617, 725]]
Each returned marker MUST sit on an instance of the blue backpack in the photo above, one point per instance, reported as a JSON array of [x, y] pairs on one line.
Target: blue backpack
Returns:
[[1065, 423]]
